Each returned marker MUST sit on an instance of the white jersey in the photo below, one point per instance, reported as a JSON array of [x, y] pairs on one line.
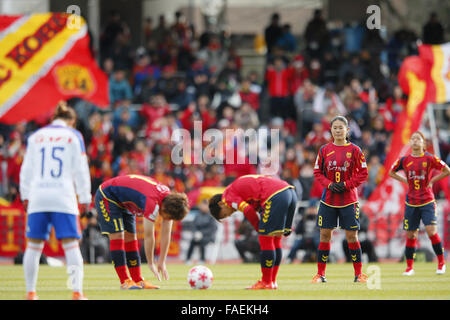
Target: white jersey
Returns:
[[55, 170]]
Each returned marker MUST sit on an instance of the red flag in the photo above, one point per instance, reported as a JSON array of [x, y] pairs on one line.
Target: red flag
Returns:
[[43, 60], [386, 204]]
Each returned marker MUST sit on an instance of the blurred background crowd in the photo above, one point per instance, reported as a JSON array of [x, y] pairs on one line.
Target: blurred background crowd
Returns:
[[176, 77]]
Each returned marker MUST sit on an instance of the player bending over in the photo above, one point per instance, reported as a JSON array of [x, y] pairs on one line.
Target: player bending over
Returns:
[[420, 204], [118, 202], [277, 201]]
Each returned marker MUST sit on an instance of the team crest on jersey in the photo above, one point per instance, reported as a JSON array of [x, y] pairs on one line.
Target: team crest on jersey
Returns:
[[74, 79], [424, 164], [349, 155]]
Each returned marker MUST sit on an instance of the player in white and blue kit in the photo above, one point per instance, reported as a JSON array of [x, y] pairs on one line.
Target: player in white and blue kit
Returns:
[[53, 175]]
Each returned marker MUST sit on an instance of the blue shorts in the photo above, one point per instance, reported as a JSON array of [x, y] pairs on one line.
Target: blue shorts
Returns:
[[111, 217], [348, 217], [278, 213], [413, 215], [39, 225]]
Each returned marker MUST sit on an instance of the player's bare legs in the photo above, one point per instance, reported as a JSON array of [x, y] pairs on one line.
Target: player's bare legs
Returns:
[[355, 253], [437, 247]]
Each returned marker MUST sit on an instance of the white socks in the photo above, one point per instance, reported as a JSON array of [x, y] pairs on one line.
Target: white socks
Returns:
[[74, 262], [31, 264]]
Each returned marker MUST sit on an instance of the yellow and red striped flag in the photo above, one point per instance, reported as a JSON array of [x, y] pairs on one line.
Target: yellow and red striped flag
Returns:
[[43, 60], [437, 61]]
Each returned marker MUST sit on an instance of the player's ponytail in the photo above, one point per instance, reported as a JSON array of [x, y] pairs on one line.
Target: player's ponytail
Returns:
[[64, 112]]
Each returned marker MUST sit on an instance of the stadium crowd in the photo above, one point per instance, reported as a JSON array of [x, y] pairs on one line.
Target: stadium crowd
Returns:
[[177, 77]]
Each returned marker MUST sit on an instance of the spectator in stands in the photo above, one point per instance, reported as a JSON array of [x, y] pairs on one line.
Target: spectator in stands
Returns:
[[316, 35], [247, 244], [307, 236], [278, 76], [287, 41], [432, 31], [247, 95], [273, 32], [120, 92], [205, 227]]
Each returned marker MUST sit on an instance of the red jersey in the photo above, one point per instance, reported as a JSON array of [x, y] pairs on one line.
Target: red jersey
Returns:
[[138, 194], [340, 163], [418, 173], [249, 193]]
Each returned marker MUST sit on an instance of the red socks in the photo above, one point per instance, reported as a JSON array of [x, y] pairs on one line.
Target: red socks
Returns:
[[133, 260], [117, 249], [437, 248], [278, 257], [355, 254], [322, 257], [267, 257]]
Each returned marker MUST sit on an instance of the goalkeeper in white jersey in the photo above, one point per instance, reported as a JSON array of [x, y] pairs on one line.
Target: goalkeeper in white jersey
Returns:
[[53, 175]]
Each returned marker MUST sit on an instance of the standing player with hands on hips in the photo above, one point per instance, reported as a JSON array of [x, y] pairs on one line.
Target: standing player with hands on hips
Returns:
[[420, 203], [340, 168], [118, 201], [54, 172]]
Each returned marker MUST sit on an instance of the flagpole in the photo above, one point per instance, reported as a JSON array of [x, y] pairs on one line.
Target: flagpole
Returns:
[[434, 136]]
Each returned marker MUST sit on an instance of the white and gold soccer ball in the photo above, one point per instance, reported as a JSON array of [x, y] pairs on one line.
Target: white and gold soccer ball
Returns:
[[200, 277]]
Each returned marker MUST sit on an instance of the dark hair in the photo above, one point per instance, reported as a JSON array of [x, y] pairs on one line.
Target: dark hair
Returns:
[[342, 119], [214, 207], [339, 118], [176, 205], [64, 112]]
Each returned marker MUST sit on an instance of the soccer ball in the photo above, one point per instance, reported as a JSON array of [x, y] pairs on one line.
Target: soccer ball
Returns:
[[200, 277]]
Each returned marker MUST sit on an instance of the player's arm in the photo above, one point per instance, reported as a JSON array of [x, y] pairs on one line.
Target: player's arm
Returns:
[[445, 171], [235, 201], [81, 172], [26, 172], [166, 234], [250, 213], [395, 168], [149, 245], [319, 172], [361, 172]]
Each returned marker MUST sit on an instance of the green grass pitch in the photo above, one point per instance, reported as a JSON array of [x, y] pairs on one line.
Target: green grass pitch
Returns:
[[101, 283]]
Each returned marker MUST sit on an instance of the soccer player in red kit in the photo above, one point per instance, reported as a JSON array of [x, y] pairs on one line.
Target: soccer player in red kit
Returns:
[[340, 168], [420, 204], [277, 200], [118, 201]]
